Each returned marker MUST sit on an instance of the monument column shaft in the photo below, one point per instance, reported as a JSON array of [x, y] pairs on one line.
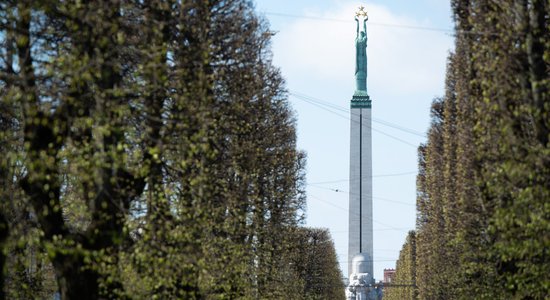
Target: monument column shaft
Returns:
[[360, 247], [360, 187]]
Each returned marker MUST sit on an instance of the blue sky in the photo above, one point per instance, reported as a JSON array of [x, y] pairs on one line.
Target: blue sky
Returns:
[[408, 44]]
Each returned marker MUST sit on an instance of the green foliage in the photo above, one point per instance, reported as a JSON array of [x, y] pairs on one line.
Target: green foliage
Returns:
[[403, 285], [483, 182], [150, 154], [317, 265]]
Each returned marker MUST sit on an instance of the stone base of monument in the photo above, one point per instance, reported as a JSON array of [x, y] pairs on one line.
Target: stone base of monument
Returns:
[[361, 287], [361, 284]]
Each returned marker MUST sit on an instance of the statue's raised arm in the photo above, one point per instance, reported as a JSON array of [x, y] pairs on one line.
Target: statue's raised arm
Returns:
[[361, 51]]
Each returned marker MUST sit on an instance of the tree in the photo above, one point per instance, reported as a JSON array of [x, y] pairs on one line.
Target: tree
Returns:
[[317, 265], [403, 285], [150, 134], [483, 172], [431, 248]]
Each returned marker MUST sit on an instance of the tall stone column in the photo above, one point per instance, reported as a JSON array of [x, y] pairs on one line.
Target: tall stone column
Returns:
[[360, 186]]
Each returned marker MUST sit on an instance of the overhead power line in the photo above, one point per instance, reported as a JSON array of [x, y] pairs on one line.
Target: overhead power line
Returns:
[[448, 31], [324, 107], [347, 118], [346, 110], [373, 260], [404, 229], [404, 26], [390, 227], [373, 176], [375, 198]]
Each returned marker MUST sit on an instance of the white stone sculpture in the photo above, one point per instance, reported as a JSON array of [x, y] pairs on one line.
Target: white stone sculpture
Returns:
[[361, 283]]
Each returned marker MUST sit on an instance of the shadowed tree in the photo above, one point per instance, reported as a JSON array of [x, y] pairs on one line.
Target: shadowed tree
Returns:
[[482, 185], [155, 146]]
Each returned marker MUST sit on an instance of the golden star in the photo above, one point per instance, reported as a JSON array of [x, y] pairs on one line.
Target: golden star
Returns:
[[361, 12]]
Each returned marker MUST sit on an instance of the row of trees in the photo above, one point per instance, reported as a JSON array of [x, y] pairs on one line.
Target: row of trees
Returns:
[[149, 152], [403, 285], [483, 215]]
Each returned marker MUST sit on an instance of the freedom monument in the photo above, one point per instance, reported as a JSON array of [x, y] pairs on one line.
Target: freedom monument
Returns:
[[360, 248]]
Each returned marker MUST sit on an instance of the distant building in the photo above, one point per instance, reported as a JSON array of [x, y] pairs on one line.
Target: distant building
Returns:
[[389, 276]]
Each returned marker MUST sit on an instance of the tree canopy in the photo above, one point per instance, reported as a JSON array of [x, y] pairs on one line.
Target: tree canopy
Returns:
[[148, 152], [482, 189]]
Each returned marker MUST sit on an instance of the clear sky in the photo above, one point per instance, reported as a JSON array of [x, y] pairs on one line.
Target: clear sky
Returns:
[[408, 45]]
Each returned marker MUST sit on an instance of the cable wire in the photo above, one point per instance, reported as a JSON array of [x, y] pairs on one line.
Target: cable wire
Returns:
[[365, 125], [342, 109], [373, 176], [355, 194], [356, 213], [404, 26]]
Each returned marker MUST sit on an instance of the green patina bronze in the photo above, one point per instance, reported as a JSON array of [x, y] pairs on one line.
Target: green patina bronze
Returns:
[[361, 57], [360, 98]]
